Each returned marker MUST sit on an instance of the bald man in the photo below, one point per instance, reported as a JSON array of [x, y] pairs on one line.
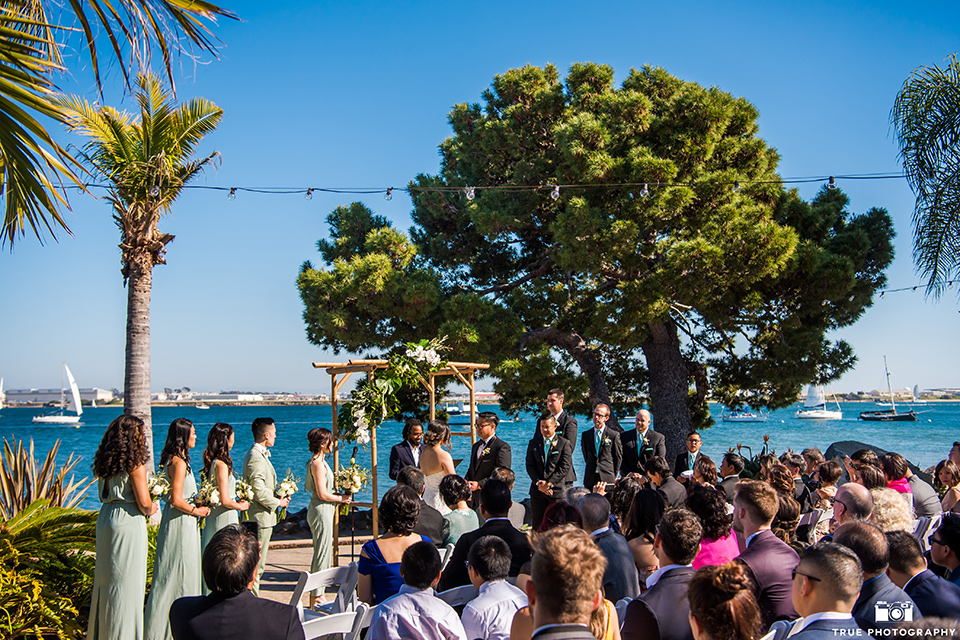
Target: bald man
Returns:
[[640, 445]]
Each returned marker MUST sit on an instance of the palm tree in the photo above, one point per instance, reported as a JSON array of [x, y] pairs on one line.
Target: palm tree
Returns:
[[33, 37], [147, 162], [926, 122]]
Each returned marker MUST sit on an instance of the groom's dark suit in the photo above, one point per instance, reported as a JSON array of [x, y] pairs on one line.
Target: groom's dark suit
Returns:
[[484, 459], [557, 470], [605, 466]]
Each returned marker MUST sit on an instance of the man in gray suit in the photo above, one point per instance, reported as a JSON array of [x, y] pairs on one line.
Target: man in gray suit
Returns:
[[620, 580], [826, 584], [258, 472]]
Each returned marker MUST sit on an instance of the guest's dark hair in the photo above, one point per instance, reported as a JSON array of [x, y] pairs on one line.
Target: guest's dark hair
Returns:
[[813, 454], [646, 512], [178, 442], [829, 472], [622, 495], [785, 523], [218, 446], [894, 466], [680, 534], [870, 476], [706, 468], [556, 392], [400, 510], [453, 489], [490, 557], [259, 427], [410, 424], [411, 476], [123, 448], [595, 511], [658, 465], [734, 461], [837, 568], [758, 498], [721, 599], [229, 560], [866, 456], [710, 507], [420, 564], [793, 460], [867, 541], [780, 478], [560, 513], [505, 474], [318, 439], [906, 555], [438, 432], [495, 498], [766, 461]]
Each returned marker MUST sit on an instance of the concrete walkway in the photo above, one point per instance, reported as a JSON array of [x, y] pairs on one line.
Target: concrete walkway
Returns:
[[289, 556]]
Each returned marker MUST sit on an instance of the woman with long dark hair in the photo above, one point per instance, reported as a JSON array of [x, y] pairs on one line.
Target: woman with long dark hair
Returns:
[[176, 565], [120, 465], [436, 463], [218, 466], [322, 498], [644, 516]]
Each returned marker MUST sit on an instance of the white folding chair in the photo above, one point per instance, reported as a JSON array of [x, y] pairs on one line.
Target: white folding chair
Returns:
[[344, 578], [338, 624], [810, 519], [445, 560], [459, 595], [363, 620], [920, 531]]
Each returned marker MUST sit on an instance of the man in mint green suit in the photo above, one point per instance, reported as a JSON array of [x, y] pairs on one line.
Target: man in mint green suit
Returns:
[[259, 473]]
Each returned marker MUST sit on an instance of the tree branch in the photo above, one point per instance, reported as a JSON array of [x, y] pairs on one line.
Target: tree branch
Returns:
[[544, 267]]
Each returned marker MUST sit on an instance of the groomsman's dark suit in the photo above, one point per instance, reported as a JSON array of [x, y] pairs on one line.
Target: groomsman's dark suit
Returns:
[[636, 454], [566, 427], [480, 469], [401, 456], [557, 470], [683, 463], [602, 467]]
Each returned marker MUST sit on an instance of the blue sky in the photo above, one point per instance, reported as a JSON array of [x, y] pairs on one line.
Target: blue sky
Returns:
[[324, 94]]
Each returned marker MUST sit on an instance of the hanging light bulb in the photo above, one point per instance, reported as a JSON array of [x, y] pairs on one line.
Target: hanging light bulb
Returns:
[[471, 193], [555, 194], [155, 191], [736, 186], [389, 195], [233, 194], [645, 192], [308, 195], [831, 184]]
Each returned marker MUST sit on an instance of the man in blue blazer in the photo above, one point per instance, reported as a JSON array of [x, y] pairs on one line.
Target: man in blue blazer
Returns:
[[825, 587], [620, 579], [407, 453], [934, 596]]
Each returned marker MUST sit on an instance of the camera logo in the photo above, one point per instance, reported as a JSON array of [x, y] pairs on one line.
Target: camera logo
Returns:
[[893, 611]]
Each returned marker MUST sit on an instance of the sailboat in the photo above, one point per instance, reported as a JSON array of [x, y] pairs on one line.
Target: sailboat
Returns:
[[742, 416], [815, 406], [2, 395], [889, 415], [61, 417], [913, 398]]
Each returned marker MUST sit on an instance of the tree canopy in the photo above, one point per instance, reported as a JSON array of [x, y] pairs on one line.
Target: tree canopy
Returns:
[[617, 242]]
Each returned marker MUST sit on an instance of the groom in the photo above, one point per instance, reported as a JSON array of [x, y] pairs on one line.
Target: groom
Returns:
[[258, 472], [488, 453]]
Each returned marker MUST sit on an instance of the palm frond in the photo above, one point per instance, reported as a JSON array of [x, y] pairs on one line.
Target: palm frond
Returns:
[[23, 482]]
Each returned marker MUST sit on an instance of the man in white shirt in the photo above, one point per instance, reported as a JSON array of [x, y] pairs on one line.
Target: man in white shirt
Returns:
[[490, 614], [416, 612], [826, 584]]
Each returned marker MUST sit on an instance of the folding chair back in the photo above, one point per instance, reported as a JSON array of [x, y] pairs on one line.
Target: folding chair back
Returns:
[[339, 623], [459, 595], [344, 578]]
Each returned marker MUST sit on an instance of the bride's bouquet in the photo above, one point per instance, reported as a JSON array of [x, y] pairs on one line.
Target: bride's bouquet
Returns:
[[287, 488]]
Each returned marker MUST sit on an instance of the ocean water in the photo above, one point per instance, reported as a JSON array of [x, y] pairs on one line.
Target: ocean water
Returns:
[[924, 443]]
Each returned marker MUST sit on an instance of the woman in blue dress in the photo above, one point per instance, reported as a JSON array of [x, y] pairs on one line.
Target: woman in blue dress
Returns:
[[218, 465], [176, 565], [379, 564], [120, 575]]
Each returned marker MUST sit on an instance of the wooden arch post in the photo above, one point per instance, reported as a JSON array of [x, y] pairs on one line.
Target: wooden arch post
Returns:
[[341, 372]]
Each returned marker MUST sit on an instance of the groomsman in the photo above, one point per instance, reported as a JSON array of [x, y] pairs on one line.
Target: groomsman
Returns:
[[602, 451], [688, 458], [488, 453], [641, 444], [259, 473], [566, 423], [550, 467], [407, 453]]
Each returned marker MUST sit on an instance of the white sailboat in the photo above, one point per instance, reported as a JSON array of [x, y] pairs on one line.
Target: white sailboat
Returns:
[[3, 396], [61, 417], [815, 406], [914, 397]]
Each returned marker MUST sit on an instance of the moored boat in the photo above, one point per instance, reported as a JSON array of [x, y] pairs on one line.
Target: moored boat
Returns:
[[891, 414], [60, 417], [743, 416], [815, 406]]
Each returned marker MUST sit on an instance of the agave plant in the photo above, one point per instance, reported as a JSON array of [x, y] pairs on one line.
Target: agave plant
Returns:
[[23, 481]]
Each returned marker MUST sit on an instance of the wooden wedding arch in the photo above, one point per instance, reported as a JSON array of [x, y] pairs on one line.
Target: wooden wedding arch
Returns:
[[341, 372]]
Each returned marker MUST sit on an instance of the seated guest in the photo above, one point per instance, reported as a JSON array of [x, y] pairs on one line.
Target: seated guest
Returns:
[[556, 514], [828, 475], [949, 476], [620, 579], [494, 506], [231, 611], [933, 595], [812, 458], [870, 476], [926, 502], [517, 513], [430, 522], [566, 585], [621, 499], [455, 493], [825, 587], [784, 524], [379, 563], [704, 471], [766, 461], [722, 606], [770, 560], [662, 612], [891, 511], [644, 518], [895, 469], [795, 465], [407, 453], [719, 544], [730, 468], [870, 545], [779, 477], [415, 612], [572, 495], [674, 495], [852, 504], [945, 546], [490, 614]]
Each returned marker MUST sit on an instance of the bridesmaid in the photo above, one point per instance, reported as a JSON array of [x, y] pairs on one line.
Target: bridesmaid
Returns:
[[120, 576], [322, 499], [219, 467], [176, 566]]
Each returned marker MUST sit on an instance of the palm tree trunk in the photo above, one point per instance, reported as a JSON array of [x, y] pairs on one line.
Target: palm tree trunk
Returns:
[[136, 374]]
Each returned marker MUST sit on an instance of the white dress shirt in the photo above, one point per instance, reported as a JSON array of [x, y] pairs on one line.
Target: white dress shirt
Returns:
[[417, 615], [490, 614]]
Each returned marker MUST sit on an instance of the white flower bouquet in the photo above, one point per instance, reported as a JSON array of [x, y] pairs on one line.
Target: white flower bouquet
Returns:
[[350, 480], [158, 485], [286, 489], [243, 494]]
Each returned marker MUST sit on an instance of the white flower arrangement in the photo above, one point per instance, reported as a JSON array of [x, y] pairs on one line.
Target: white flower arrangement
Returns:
[[209, 493], [420, 354], [286, 489], [243, 491], [352, 479], [158, 485]]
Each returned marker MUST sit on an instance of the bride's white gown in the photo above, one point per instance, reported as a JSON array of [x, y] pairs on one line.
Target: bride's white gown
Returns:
[[431, 494]]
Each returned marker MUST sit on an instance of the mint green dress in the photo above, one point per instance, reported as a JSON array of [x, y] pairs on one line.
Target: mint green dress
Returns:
[[120, 576], [219, 517], [176, 566], [320, 518]]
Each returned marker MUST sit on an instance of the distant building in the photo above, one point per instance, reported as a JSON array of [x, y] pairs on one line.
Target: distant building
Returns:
[[15, 396]]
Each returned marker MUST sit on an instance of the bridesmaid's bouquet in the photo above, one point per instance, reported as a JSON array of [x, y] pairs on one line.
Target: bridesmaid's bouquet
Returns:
[[207, 496], [158, 486], [244, 494], [350, 480], [287, 488]]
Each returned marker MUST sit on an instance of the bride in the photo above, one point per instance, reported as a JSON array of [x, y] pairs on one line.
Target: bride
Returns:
[[436, 463]]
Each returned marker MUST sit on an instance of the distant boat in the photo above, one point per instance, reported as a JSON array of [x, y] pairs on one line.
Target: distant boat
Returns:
[[201, 405], [60, 417], [913, 398], [743, 416], [2, 396], [889, 415], [815, 406]]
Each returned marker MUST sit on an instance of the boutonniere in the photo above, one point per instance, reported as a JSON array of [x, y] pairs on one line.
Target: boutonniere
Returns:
[[606, 441], [485, 452]]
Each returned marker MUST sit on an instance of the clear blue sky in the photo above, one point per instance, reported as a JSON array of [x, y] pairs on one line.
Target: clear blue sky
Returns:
[[333, 94]]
